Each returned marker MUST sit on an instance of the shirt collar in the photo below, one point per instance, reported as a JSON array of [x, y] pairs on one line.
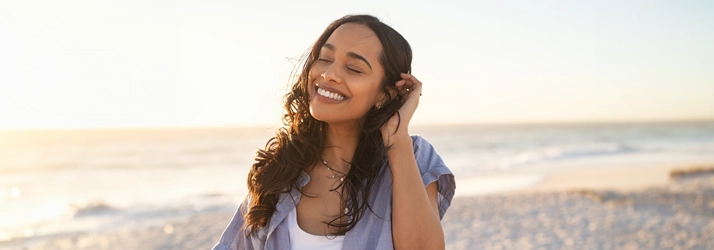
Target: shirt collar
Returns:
[[287, 202]]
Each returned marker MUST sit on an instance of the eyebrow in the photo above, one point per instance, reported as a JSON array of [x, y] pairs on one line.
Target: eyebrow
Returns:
[[350, 54]]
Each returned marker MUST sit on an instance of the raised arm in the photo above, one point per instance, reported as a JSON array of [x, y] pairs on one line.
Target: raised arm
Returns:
[[415, 216]]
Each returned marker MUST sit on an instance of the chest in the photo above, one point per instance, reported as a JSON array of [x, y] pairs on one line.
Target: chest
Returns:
[[319, 205], [373, 231]]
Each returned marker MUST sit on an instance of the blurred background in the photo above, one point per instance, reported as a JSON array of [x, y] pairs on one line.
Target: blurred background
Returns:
[[128, 116]]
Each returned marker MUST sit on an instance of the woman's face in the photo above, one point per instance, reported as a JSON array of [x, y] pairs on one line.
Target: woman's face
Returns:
[[345, 80]]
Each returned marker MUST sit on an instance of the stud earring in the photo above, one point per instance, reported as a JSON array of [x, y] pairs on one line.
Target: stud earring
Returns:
[[377, 107]]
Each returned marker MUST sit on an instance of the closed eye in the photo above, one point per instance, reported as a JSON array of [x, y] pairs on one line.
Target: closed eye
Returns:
[[354, 70]]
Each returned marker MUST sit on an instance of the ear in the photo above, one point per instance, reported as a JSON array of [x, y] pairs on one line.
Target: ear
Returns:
[[383, 98]]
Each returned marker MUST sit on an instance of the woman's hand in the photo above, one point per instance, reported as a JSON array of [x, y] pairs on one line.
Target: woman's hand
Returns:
[[410, 90]]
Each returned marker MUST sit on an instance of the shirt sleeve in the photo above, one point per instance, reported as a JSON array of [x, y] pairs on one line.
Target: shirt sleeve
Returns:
[[230, 239], [432, 168]]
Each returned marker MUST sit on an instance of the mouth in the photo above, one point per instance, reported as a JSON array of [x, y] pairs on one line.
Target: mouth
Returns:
[[330, 94]]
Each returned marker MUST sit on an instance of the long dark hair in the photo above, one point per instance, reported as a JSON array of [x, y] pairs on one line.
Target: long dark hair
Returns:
[[298, 145]]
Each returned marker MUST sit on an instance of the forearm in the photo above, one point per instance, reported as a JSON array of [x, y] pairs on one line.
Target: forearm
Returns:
[[415, 224]]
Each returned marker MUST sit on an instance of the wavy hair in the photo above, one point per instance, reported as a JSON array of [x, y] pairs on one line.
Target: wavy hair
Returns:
[[299, 143]]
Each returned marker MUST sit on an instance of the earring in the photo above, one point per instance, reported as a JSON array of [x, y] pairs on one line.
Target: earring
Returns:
[[377, 107]]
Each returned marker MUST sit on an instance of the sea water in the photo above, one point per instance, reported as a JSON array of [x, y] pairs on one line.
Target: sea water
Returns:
[[66, 181]]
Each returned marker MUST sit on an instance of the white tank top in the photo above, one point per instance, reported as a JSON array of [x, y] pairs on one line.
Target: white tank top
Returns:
[[300, 239]]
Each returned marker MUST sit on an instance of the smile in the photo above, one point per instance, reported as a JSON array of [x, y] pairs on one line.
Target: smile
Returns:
[[330, 95]]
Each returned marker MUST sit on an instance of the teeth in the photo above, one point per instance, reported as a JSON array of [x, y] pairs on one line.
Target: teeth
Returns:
[[329, 94]]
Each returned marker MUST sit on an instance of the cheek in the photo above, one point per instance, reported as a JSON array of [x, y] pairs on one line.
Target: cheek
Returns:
[[311, 78], [316, 70], [369, 94]]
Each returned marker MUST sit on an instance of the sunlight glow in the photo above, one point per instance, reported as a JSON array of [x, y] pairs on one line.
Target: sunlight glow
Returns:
[[85, 64]]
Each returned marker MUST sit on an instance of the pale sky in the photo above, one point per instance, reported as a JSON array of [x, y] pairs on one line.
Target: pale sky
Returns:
[[84, 64]]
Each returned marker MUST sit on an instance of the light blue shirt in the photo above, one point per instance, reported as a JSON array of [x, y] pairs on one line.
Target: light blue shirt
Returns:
[[373, 231]]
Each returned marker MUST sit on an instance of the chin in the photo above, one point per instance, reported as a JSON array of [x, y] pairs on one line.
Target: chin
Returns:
[[321, 114], [332, 117]]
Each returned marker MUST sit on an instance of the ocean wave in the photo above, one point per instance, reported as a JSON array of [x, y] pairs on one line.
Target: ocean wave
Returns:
[[555, 153], [93, 209], [593, 150], [211, 194]]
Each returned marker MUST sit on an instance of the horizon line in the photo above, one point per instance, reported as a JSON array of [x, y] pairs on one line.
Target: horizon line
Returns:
[[419, 125]]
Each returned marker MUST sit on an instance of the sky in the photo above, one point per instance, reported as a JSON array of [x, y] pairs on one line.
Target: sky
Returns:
[[149, 63]]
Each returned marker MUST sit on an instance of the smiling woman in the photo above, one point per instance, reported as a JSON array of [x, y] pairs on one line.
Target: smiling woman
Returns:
[[342, 76], [344, 173]]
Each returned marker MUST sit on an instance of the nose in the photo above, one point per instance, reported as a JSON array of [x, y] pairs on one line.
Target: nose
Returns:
[[332, 74]]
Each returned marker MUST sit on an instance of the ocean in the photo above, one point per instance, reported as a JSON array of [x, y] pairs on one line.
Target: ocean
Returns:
[[68, 181]]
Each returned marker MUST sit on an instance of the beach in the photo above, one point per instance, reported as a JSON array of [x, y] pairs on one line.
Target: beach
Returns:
[[581, 186], [564, 211], [676, 214], [565, 124]]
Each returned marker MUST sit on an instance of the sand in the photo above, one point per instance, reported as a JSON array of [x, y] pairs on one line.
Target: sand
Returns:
[[678, 215], [586, 208]]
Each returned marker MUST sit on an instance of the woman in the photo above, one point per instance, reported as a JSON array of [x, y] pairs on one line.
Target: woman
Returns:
[[344, 173]]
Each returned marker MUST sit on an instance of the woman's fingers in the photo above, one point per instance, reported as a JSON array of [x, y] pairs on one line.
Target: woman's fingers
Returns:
[[408, 84], [403, 92], [415, 83], [400, 83]]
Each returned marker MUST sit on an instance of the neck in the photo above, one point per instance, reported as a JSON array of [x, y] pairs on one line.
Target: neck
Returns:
[[341, 141]]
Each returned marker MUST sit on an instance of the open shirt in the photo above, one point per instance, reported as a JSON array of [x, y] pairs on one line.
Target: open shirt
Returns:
[[374, 229]]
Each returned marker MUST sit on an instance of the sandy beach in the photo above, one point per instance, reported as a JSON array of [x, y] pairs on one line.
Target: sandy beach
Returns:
[[676, 215], [586, 208]]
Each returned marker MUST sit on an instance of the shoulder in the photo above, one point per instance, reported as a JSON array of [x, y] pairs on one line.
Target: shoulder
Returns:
[[433, 169], [418, 142], [235, 237], [428, 160], [425, 154]]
